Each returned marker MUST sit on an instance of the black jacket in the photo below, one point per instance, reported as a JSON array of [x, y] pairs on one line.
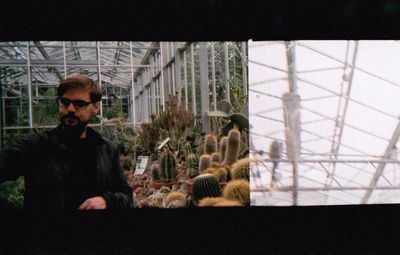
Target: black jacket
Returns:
[[61, 174]]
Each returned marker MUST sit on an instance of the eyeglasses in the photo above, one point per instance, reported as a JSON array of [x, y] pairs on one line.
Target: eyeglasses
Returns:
[[78, 104]]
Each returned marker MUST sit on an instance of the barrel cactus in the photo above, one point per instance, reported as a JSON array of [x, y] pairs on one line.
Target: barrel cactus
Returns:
[[210, 201], [238, 190], [168, 167], [175, 199], [241, 169], [205, 185], [226, 202], [232, 147]]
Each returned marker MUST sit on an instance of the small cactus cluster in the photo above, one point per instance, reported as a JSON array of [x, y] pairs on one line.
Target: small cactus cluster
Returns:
[[175, 199]]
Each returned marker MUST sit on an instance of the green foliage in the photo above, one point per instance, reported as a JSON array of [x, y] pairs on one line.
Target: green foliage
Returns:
[[13, 192]]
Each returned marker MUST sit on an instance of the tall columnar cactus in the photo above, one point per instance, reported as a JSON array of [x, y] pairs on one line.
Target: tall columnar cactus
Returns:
[[241, 169], [232, 147], [211, 144], [238, 190], [222, 147], [192, 164], [205, 162], [205, 185], [222, 174], [155, 172], [215, 157], [168, 167]]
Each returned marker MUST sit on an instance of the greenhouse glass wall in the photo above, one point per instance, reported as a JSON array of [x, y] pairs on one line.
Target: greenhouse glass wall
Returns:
[[325, 122]]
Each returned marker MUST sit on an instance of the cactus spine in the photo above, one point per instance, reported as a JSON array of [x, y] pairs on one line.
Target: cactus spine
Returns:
[[205, 185], [222, 147], [211, 144], [232, 147], [205, 162], [241, 169], [168, 167], [238, 190]]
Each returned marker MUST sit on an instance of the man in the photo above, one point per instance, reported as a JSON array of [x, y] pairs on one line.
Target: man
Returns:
[[70, 167]]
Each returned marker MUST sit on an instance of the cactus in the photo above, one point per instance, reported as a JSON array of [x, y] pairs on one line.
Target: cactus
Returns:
[[175, 199], [209, 170], [168, 167], [241, 169], [165, 190], [204, 162], [222, 174], [155, 172], [210, 201], [187, 149], [205, 185], [232, 147], [216, 157], [238, 190], [192, 160], [211, 144], [192, 164], [222, 148], [226, 202]]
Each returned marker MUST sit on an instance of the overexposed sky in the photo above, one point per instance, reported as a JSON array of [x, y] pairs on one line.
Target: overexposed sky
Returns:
[[370, 120]]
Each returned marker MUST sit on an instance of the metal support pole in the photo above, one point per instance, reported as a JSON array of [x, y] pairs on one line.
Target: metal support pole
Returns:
[[164, 92], [2, 107], [99, 75], [227, 86], [291, 103], [29, 86], [244, 69], [214, 86], [382, 165], [193, 81], [133, 105], [177, 66], [186, 81], [65, 60], [204, 90]]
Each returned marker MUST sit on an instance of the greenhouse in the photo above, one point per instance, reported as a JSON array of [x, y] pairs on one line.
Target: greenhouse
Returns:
[[161, 102], [325, 122]]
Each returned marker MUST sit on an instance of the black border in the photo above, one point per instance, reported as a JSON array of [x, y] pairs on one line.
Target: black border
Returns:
[[354, 229]]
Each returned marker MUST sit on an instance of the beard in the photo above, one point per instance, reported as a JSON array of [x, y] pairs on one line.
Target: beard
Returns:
[[73, 127]]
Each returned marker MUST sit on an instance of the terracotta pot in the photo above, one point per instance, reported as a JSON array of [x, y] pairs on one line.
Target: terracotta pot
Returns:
[[158, 185], [189, 184]]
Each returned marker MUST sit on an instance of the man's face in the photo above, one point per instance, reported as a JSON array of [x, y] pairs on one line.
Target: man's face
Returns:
[[75, 118]]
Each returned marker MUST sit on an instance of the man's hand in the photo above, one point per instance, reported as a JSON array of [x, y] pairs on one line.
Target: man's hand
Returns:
[[94, 203]]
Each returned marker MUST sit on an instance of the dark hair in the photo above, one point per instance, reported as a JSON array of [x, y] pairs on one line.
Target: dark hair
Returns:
[[80, 81]]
